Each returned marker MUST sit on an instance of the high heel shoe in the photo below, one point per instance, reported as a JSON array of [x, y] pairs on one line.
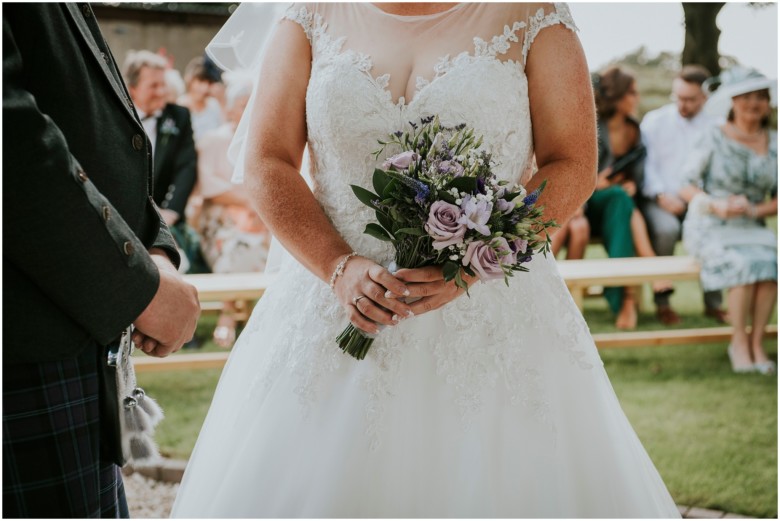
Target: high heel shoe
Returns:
[[749, 368], [768, 367]]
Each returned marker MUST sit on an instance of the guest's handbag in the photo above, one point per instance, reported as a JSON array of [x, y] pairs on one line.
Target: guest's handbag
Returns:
[[627, 160], [129, 414]]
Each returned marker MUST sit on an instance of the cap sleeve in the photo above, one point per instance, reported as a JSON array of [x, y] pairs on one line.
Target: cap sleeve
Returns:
[[545, 16], [307, 16]]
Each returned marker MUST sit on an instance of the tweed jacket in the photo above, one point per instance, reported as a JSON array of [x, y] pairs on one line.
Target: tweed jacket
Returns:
[[77, 184]]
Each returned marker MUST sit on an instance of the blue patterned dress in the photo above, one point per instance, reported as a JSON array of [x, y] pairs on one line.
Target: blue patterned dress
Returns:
[[741, 250]]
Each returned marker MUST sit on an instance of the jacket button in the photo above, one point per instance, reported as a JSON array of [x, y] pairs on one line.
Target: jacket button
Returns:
[[128, 247], [82, 176], [86, 11], [106, 213], [138, 142]]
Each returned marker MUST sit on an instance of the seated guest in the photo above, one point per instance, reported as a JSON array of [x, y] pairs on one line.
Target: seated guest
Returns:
[[173, 149], [611, 210], [574, 234], [732, 176], [669, 134], [206, 111], [234, 239]]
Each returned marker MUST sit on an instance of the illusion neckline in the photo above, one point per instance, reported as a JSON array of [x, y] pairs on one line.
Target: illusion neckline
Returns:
[[417, 17]]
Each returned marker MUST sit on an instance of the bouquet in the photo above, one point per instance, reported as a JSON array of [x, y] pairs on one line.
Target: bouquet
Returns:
[[439, 203]]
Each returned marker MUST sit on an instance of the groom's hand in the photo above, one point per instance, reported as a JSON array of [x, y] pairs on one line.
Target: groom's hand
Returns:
[[170, 318]]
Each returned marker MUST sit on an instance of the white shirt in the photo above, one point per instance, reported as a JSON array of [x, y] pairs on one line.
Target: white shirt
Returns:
[[669, 138], [150, 126]]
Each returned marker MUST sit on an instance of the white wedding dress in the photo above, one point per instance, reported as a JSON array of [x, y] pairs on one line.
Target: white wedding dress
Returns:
[[496, 405]]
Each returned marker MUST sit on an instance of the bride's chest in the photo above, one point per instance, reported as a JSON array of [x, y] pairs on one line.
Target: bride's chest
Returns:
[[346, 103]]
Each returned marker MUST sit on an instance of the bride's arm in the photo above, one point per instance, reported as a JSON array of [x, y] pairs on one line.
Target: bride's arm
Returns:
[[277, 138], [563, 115]]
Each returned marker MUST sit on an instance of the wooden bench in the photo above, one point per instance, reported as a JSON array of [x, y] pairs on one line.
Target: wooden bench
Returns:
[[240, 288], [582, 274], [244, 288], [603, 341]]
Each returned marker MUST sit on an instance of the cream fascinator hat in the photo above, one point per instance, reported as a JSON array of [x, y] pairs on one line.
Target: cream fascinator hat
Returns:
[[733, 82]]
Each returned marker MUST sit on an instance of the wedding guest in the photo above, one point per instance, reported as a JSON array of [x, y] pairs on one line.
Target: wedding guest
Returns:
[[205, 109], [611, 210], [173, 148], [574, 234], [669, 134], [732, 187], [234, 239], [175, 85], [85, 254]]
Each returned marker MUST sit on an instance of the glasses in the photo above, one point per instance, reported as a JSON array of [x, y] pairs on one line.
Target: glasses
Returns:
[[685, 99]]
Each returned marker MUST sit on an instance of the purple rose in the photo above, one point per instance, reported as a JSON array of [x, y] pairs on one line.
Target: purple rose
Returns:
[[443, 225], [482, 257], [400, 161], [476, 214]]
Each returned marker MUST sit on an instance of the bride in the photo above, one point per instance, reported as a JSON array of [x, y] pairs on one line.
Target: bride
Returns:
[[489, 405]]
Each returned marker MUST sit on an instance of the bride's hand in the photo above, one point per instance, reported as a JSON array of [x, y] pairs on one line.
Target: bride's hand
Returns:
[[429, 286], [361, 291]]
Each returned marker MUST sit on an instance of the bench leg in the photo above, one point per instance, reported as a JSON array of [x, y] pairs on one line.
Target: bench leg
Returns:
[[578, 294]]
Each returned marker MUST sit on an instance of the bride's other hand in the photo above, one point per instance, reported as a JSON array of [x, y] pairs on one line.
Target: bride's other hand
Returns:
[[361, 291], [429, 286]]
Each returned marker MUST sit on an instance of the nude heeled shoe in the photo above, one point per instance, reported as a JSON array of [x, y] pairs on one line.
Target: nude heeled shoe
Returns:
[[749, 368], [767, 368]]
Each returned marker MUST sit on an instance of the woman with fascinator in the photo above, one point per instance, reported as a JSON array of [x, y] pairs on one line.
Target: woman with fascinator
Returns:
[[732, 176]]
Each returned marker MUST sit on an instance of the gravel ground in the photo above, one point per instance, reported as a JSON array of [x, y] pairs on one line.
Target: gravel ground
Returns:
[[147, 498]]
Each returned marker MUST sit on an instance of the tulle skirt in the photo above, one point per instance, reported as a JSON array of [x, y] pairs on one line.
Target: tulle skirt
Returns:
[[495, 406]]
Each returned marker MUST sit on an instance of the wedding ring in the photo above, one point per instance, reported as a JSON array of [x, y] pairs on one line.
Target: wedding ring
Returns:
[[355, 300]]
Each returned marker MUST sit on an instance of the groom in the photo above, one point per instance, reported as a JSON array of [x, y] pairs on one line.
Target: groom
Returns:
[[85, 255]]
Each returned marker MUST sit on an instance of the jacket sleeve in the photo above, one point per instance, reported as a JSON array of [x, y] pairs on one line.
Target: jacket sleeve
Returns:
[[59, 229], [184, 169]]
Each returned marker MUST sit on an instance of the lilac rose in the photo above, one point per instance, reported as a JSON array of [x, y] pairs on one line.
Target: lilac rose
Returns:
[[476, 214], [483, 259], [400, 161], [443, 225]]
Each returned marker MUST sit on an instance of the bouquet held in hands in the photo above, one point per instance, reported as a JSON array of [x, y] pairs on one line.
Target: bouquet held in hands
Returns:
[[439, 203]]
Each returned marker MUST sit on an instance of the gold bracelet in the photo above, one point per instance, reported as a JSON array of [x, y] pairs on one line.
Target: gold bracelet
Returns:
[[340, 268]]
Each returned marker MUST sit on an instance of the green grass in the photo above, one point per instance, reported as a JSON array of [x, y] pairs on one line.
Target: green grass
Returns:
[[711, 433]]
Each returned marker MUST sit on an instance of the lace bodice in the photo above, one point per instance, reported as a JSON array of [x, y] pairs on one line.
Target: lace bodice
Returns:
[[373, 72]]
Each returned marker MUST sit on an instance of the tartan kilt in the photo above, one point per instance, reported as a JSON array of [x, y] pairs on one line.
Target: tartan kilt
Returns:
[[52, 464]]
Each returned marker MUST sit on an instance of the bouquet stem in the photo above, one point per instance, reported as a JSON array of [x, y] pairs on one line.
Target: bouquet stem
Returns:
[[355, 341]]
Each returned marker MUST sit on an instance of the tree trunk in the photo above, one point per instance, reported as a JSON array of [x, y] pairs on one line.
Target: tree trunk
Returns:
[[702, 35]]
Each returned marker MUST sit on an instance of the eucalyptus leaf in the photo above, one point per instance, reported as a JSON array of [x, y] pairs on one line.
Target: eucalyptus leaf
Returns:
[[376, 231], [450, 270], [380, 180], [365, 196], [417, 232]]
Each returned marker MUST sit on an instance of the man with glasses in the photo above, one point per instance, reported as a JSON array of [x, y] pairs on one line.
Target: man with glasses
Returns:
[[669, 133]]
